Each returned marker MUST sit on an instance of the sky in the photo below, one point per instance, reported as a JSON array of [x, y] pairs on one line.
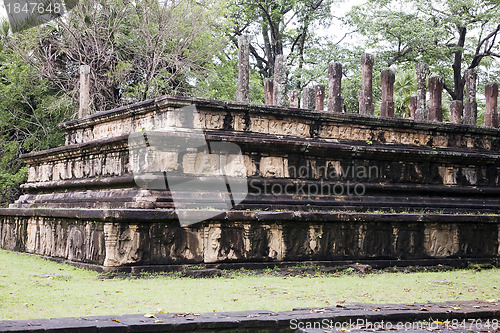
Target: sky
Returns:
[[339, 9]]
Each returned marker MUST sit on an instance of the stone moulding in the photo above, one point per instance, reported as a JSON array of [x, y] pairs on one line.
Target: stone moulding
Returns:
[[255, 118], [98, 173], [430, 190], [115, 238]]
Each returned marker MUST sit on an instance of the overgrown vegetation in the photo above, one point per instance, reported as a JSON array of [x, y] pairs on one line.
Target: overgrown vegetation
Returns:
[[30, 109]]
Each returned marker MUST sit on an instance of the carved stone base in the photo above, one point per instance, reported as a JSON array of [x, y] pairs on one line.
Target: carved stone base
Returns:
[[147, 237], [106, 198]]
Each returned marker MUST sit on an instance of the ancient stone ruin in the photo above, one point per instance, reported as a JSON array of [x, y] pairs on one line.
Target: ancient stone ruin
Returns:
[[318, 184]]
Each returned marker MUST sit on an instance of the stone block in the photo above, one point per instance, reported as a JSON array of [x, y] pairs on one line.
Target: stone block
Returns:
[[441, 241], [202, 273], [239, 123], [448, 175], [167, 161], [214, 120], [274, 167], [259, 125]]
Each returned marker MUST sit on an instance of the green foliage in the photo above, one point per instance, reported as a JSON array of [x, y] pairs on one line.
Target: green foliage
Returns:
[[221, 81], [450, 35], [405, 86], [136, 49], [30, 110], [282, 27]]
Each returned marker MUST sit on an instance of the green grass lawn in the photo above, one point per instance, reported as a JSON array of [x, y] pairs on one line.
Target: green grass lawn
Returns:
[[28, 291]]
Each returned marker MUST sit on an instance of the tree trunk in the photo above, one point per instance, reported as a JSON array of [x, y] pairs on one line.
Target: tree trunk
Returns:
[[301, 55], [268, 50], [459, 81]]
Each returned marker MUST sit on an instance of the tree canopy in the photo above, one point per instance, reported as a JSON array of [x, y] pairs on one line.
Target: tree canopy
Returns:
[[281, 27], [136, 49], [30, 110], [450, 35]]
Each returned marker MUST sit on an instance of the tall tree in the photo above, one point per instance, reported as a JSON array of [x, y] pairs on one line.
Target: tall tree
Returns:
[[30, 110], [451, 35], [280, 27], [136, 49]]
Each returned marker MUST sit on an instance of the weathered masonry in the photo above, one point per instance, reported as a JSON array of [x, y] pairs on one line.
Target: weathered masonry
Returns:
[[322, 185], [82, 203]]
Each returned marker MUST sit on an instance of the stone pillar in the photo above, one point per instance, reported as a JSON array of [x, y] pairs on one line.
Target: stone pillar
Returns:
[[436, 97], [243, 92], [387, 106], [422, 71], [111, 245], [365, 96], [335, 99], [308, 98], [294, 98], [456, 111], [84, 91], [268, 91], [413, 107], [470, 107], [280, 80], [320, 97], [491, 113]]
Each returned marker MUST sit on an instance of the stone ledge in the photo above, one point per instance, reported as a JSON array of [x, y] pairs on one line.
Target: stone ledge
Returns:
[[128, 182], [179, 101], [263, 320], [445, 263], [244, 236], [159, 215], [112, 182], [139, 108], [270, 143], [77, 150]]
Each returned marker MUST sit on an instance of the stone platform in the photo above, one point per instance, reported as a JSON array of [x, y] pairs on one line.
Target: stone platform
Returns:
[[469, 316], [321, 186]]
